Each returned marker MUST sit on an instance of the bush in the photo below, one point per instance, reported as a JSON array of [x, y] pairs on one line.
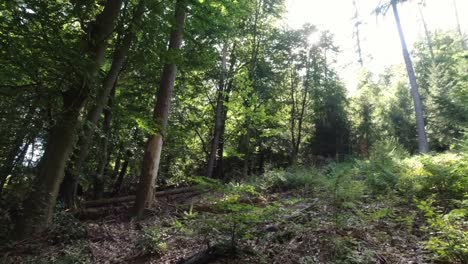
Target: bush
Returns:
[[383, 167], [342, 181], [66, 228], [152, 241], [448, 237], [444, 175], [294, 178]]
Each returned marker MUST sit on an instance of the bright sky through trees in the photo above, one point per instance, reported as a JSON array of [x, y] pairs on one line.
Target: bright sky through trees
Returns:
[[380, 43]]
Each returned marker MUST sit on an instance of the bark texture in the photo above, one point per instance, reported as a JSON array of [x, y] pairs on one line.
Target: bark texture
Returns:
[[418, 108], [152, 156]]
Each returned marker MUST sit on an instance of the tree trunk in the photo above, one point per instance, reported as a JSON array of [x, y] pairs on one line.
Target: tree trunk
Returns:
[[72, 176], [104, 159], [152, 156], [20, 145], [421, 128], [427, 33], [39, 205], [357, 32], [218, 126], [219, 170], [9, 163], [123, 171], [458, 24]]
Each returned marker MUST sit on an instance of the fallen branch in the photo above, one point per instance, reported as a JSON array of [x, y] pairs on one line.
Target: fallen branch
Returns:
[[131, 198]]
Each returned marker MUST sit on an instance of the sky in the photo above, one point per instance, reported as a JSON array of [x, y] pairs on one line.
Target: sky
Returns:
[[380, 41]]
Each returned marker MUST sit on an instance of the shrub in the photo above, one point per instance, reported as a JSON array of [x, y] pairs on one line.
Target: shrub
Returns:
[[343, 183], [445, 175], [294, 178], [152, 241], [448, 236], [383, 167], [66, 228]]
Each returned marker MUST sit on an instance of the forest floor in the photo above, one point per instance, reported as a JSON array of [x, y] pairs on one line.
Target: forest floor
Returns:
[[308, 227]]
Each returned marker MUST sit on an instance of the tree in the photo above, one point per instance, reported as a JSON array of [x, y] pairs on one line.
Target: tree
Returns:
[[153, 149], [39, 206], [418, 107], [86, 136]]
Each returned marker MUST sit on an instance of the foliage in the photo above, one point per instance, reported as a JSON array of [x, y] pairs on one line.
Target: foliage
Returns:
[[382, 167], [290, 179], [444, 175], [233, 220], [152, 241], [66, 228], [343, 183], [448, 237]]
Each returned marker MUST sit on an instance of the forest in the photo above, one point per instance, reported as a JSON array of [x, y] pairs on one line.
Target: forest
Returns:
[[207, 131]]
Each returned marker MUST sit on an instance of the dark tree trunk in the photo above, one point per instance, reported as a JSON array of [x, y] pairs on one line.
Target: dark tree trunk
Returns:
[[39, 205], [85, 140], [118, 163], [218, 125], [219, 170], [104, 159], [9, 163], [152, 156], [418, 108], [16, 155], [123, 171]]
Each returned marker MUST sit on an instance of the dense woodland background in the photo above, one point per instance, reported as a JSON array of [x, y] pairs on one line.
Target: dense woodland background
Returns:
[[137, 99]]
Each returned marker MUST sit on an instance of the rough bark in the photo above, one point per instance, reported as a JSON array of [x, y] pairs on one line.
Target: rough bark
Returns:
[[218, 125], [39, 205], [86, 137], [418, 108], [152, 156]]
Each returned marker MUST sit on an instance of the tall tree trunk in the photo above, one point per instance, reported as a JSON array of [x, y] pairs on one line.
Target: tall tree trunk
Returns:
[[293, 114], [152, 156], [39, 205], [19, 147], [219, 170], [218, 115], [72, 175], [118, 163], [458, 24], [123, 171], [104, 158], [427, 33], [357, 32], [10, 158], [418, 108]]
